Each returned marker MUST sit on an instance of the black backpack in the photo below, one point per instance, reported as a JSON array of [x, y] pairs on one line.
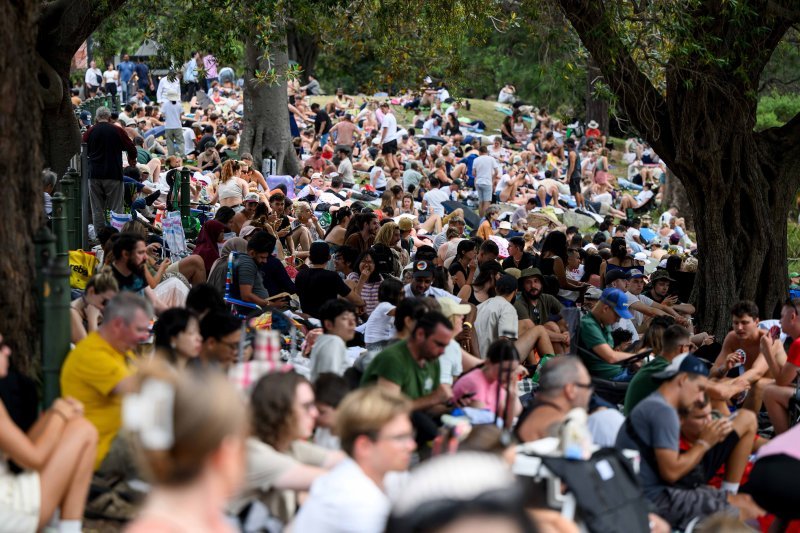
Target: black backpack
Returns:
[[384, 258]]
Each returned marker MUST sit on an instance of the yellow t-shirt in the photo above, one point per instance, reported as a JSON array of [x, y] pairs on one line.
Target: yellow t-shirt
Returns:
[[91, 371]]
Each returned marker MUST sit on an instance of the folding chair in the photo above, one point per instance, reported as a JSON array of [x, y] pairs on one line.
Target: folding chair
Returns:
[[238, 306]]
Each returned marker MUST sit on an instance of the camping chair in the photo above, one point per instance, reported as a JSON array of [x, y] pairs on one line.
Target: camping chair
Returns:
[[237, 306], [173, 236]]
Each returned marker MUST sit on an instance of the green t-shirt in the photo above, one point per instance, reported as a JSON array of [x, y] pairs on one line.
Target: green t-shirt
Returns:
[[142, 156], [396, 364], [642, 385], [592, 334], [546, 304]]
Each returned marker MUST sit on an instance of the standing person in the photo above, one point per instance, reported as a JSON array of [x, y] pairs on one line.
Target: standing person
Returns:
[[93, 79], [198, 468], [144, 80], [484, 168], [210, 66], [173, 133], [190, 76], [171, 83], [376, 433], [126, 69], [346, 131], [389, 136], [99, 370], [322, 124], [573, 177], [57, 455], [105, 142], [111, 78]]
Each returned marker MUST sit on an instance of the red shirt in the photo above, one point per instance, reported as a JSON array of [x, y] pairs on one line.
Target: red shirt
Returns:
[[794, 353]]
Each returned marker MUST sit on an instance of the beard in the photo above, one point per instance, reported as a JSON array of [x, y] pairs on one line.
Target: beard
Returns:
[[133, 267], [533, 294]]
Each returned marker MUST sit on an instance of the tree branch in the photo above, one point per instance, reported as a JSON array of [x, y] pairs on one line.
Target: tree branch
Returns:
[[640, 100]]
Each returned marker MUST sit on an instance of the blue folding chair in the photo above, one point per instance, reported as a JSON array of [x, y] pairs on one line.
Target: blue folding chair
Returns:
[[239, 308]]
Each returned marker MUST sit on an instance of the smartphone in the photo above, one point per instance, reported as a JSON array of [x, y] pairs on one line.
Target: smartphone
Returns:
[[775, 332]]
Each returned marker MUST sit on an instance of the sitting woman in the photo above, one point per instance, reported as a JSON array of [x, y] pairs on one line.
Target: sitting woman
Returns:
[[463, 267], [338, 226], [194, 459], [86, 313], [507, 130], [280, 460], [177, 337], [407, 206], [231, 189], [486, 230], [483, 287], [367, 262], [305, 229], [57, 455]]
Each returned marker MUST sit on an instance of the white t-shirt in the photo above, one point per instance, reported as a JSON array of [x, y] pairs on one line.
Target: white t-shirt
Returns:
[[172, 115], [166, 85], [502, 183], [638, 317], [110, 76], [483, 169], [666, 216], [377, 177], [380, 325], [496, 318], [188, 140], [450, 366], [644, 196], [435, 197], [344, 500], [430, 128], [346, 171], [91, 76], [329, 354], [390, 125]]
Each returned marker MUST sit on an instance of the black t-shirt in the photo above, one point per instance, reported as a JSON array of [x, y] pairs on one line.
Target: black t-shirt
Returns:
[[315, 286], [528, 260], [322, 118], [133, 283]]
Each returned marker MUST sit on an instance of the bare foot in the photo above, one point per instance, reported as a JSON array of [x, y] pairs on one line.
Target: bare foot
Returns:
[[748, 509]]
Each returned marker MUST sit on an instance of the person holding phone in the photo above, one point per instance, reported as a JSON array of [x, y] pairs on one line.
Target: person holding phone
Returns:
[[779, 395]]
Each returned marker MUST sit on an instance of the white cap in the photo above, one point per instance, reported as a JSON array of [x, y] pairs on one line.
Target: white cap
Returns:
[[505, 225], [640, 256]]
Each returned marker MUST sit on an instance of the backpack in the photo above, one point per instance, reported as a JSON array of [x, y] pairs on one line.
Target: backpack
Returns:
[[384, 259]]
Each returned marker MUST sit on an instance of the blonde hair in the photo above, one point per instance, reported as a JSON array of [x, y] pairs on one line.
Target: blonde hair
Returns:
[[103, 281], [135, 226], [365, 411], [299, 207], [384, 235], [205, 412]]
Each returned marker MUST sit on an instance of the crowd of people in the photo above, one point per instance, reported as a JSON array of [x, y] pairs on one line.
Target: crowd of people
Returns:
[[451, 295]]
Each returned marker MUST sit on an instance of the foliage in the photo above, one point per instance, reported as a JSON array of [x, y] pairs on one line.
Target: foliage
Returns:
[[776, 110]]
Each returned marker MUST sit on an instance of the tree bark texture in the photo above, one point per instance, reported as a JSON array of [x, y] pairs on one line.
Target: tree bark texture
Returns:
[[266, 111], [63, 26], [20, 166], [304, 49], [739, 183], [596, 106]]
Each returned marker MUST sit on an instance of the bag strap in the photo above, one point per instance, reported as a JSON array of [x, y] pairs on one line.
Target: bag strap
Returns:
[[645, 451]]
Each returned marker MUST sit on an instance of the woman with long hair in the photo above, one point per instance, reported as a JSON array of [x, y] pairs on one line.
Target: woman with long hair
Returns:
[[554, 259], [463, 267], [305, 229], [230, 190], [483, 287], [486, 230], [191, 448], [86, 313], [407, 206], [369, 290], [619, 260], [177, 337], [338, 226]]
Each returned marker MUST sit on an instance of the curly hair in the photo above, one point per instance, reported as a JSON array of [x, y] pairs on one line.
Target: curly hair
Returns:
[[272, 407]]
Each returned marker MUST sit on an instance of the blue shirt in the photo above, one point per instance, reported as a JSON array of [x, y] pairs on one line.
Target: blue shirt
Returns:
[[142, 71], [126, 69], [191, 71]]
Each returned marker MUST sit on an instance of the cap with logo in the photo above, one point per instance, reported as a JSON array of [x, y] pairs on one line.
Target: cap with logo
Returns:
[[423, 269], [593, 293], [618, 301], [635, 274], [683, 363]]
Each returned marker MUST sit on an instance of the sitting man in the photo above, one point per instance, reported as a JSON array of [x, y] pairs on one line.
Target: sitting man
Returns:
[[99, 371], [377, 435], [746, 336], [784, 390], [222, 335], [317, 285], [517, 256], [630, 202], [130, 259], [535, 308], [595, 341], [422, 283], [248, 285], [654, 430], [659, 291], [329, 353], [635, 292]]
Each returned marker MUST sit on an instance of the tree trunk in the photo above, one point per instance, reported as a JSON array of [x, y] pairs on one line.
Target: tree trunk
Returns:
[[596, 106], [20, 166], [266, 113], [674, 195], [304, 49]]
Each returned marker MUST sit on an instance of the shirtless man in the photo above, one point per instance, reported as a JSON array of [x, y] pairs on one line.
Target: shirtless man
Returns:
[[746, 336], [346, 131]]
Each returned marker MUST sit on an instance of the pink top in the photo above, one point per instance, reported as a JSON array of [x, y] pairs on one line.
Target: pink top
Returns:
[[485, 392], [786, 443], [210, 64]]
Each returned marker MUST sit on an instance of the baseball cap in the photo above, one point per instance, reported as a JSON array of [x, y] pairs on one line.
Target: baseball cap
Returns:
[[593, 293], [640, 256], [635, 274], [451, 308], [247, 230], [458, 183], [683, 363], [660, 275], [617, 300], [423, 269], [615, 275], [405, 224], [251, 197]]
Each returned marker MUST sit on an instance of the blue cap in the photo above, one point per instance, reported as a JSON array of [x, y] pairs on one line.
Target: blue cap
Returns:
[[618, 301], [683, 363]]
